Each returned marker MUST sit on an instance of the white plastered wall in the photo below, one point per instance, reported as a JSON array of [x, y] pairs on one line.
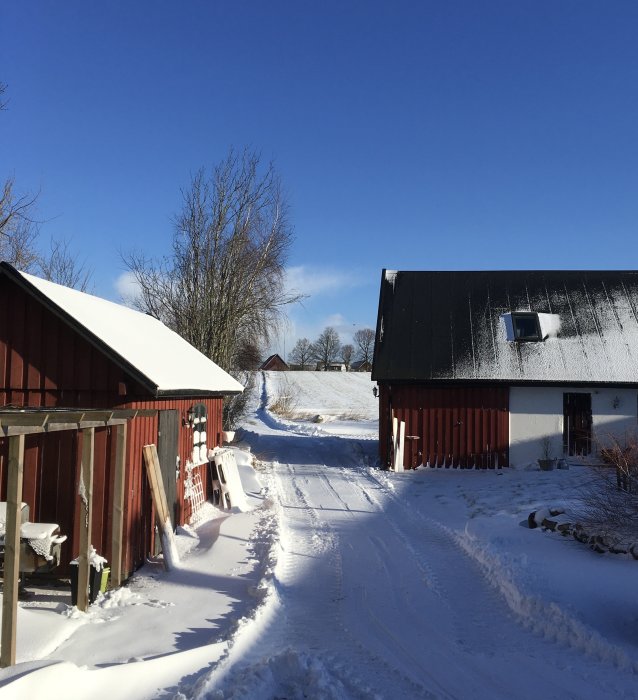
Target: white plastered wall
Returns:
[[537, 412]]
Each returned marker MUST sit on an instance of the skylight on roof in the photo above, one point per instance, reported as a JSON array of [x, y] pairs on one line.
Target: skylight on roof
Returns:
[[526, 327]]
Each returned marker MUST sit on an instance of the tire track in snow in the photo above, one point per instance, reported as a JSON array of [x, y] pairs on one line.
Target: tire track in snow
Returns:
[[473, 575], [341, 638]]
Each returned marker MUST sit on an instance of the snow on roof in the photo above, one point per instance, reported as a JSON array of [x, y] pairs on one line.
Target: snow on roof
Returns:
[[453, 326], [155, 351]]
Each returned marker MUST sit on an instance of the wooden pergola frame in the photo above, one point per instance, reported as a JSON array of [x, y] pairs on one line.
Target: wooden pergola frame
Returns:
[[15, 423]]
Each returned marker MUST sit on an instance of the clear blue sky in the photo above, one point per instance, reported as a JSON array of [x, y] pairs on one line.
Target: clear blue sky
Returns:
[[409, 135]]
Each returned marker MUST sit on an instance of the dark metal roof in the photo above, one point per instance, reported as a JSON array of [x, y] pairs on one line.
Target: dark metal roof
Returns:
[[452, 326]]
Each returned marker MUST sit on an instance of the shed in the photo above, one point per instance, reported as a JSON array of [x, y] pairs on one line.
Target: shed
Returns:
[[491, 368], [64, 349]]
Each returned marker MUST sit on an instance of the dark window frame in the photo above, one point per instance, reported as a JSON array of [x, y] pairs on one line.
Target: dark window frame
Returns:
[[537, 337]]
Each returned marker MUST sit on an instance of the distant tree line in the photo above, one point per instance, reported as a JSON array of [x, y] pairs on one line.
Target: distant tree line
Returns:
[[327, 349]]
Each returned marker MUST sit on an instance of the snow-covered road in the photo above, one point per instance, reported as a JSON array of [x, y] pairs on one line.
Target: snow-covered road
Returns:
[[372, 597], [344, 581]]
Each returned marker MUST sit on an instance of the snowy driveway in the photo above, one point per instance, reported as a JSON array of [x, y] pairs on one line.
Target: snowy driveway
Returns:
[[373, 598]]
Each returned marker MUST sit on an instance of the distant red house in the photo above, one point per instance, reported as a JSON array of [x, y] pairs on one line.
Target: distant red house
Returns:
[[274, 363], [62, 349]]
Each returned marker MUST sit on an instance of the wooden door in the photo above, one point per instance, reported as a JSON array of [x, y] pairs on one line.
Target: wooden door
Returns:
[[577, 421], [167, 450]]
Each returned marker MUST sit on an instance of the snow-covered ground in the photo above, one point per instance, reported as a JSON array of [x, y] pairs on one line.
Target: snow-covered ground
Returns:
[[345, 581]]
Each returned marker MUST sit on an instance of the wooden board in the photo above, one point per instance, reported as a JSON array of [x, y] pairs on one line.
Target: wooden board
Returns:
[[154, 473]]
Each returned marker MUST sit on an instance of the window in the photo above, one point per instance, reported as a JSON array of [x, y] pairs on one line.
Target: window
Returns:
[[526, 327], [200, 452]]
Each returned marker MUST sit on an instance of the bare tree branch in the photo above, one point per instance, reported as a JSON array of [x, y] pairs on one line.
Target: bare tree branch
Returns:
[[222, 286], [64, 267]]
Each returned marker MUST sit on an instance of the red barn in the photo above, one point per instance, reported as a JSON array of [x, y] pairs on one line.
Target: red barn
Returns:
[[63, 349]]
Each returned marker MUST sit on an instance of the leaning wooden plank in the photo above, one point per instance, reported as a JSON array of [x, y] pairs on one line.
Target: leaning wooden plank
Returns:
[[154, 473], [12, 552]]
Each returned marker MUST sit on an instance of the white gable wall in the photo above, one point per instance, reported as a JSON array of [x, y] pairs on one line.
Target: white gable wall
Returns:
[[537, 412]]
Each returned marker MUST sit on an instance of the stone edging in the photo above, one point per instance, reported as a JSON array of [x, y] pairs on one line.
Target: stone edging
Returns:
[[548, 519]]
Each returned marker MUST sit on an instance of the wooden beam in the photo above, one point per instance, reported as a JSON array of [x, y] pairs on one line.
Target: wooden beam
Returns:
[[118, 504], [52, 427], [85, 493], [23, 419], [12, 552]]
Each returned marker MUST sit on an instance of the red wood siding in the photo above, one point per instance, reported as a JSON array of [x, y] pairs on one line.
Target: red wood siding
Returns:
[[451, 426], [45, 363]]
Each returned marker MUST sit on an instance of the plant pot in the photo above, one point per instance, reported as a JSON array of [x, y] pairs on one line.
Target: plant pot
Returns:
[[97, 583], [547, 465], [228, 435]]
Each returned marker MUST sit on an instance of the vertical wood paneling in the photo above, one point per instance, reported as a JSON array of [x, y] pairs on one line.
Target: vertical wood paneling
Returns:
[[466, 427]]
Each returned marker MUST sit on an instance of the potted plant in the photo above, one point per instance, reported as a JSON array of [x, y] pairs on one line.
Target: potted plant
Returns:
[[98, 577], [547, 462]]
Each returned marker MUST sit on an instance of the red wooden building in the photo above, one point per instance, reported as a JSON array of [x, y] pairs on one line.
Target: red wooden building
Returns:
[[496, 368], [62, 349], [274, 363]]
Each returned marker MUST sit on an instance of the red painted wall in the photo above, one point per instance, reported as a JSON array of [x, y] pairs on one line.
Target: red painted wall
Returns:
[[448, 426]]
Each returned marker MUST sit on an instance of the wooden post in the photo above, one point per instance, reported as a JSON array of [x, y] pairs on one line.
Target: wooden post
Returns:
[[85, 492], [395, 436], [118, 504], [12, 551], [400, 447]]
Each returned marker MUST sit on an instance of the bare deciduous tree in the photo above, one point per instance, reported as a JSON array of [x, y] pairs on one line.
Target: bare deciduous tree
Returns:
[[347, 353], [64, 267], [302, 353], [364, 340], [326, 347], [223, 282], [18, 230]]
